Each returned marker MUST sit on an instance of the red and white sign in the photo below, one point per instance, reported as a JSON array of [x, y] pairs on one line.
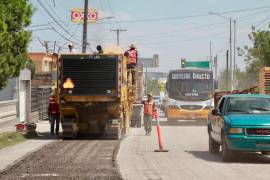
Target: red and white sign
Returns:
[[77, 15]]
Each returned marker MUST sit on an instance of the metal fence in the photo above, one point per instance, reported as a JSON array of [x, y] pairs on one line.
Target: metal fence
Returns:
[[40, 102]]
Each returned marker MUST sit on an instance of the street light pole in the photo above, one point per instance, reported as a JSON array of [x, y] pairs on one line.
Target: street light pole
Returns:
[[234, 54], [85, 18], [231, 63]]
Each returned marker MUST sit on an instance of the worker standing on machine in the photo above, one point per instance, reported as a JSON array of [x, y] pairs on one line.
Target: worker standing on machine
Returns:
[[132, 57]]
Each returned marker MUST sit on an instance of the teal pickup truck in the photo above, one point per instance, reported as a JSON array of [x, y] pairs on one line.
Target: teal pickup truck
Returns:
[[240, 123]]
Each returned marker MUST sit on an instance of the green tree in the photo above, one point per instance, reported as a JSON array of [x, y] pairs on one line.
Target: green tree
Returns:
[[15, 16], [256, 56]]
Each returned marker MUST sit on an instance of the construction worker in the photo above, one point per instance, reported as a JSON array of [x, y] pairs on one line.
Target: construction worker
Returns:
[[53, 112], [132, 56], [149, 107], [71, 48]]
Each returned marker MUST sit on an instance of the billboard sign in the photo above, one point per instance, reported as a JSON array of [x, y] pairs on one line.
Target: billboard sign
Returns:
[[77, 15]]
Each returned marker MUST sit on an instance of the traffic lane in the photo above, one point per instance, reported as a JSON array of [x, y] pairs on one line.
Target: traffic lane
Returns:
[[242, 157], [188, 157], [181, 122]]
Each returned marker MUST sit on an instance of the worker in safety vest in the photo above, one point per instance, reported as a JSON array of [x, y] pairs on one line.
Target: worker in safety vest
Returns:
[[149, 107], [131, 55], [53, 113]]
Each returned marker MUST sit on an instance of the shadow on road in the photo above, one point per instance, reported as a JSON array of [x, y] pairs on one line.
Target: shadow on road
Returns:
[[247, 158], [44, 136]]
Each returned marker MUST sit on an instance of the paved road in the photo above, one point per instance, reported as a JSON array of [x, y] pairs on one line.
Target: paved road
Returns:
[[188, 157], [69, 159]]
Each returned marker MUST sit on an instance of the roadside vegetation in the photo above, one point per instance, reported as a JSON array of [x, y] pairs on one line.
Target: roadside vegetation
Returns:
[[15, 17], [10, 138]]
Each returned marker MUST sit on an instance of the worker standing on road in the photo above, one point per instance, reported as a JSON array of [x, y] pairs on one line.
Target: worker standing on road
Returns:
[[149, 107], [53, 112], [132, 56]]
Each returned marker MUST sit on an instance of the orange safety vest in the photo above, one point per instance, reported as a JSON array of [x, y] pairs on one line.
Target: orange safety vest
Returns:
[[148, 107], [132, 57]]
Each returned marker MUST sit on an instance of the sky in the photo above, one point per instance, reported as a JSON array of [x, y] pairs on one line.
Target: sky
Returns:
[[173, 29]]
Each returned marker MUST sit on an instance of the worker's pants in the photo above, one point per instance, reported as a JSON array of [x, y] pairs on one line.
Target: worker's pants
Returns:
[[131, 69], [147, 123], [54, 120]]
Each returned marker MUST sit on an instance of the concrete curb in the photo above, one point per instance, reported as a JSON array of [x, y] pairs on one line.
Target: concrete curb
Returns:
[[114, 158]]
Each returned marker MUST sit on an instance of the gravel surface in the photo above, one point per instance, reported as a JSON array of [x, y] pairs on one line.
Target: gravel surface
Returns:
[[69, 159]]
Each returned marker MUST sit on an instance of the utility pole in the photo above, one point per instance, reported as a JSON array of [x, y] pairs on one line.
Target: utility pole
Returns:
[[234, 55], [231, 63], [85, 18], [216, 66], [227, 69], [211, 59], [118, 34]]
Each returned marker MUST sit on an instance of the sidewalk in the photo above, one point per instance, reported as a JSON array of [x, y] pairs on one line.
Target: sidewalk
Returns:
[[13, 154]]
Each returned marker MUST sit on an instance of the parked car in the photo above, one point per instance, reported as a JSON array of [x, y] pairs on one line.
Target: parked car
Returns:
[[157, 100], [240, 122]]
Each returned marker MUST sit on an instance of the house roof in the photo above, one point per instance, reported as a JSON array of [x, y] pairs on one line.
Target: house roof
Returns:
[[40, 56]]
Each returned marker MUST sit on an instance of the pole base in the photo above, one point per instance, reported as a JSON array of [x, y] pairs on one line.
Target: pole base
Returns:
[[161, 150]]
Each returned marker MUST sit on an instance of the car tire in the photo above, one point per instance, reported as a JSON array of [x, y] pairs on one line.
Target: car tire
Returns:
[[227, 154], [267, 153], [213, 145]]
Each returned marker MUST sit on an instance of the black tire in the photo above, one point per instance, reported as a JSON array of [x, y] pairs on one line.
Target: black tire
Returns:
[[267, 153], [213, 145], [227, 154]]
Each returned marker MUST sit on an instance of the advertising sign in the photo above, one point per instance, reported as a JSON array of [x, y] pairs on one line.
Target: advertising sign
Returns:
[[193, 76], [77, 15]]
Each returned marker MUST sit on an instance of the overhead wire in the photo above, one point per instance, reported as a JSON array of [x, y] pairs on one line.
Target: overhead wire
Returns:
[[174, 31], [191, 16], [55, 14], [53, 18], [45, 24]]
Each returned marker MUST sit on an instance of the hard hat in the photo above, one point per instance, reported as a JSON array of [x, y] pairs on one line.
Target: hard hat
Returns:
[[70, 45], [132, 46], [150, 95]]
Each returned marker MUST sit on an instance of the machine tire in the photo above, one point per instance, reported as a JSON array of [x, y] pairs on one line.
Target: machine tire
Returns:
[[227, 154], [213, 145]]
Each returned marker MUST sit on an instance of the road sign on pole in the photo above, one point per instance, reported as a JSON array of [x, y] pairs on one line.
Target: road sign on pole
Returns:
[[197, 64], [77, 15]]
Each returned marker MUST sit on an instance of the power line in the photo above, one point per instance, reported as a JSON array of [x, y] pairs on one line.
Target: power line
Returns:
[[55, 13], [175, 31], [46, 24], [48, 12], [253, 14], [263, 21], [191, 16]]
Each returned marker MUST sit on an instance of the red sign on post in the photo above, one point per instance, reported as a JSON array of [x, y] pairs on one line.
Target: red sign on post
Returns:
[[77, 15]]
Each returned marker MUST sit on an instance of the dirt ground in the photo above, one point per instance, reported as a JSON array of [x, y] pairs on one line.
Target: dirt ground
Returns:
[[69, 159]]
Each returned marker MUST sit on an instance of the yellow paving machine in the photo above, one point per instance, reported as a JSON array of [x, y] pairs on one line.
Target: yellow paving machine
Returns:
[[94, 94]]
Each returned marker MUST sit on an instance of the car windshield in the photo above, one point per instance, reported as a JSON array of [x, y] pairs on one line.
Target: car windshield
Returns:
[[247, 105]]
